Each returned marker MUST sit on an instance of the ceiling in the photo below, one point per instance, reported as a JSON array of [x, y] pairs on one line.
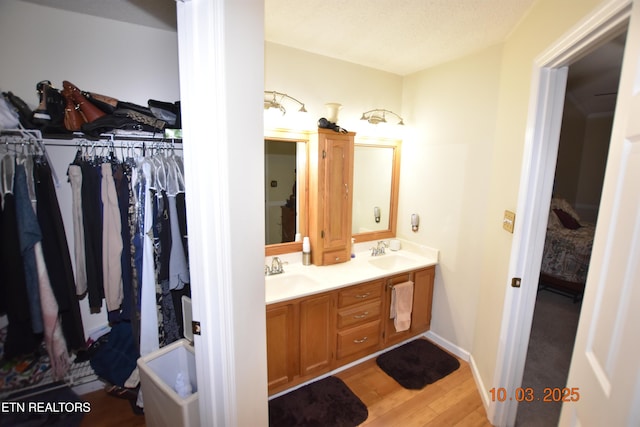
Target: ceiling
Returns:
[[397, 36]]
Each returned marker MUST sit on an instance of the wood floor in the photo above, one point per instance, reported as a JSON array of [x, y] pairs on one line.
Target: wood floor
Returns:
[[451, 401]]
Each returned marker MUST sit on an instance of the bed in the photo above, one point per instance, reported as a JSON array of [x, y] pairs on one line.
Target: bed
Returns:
[[567, 250]]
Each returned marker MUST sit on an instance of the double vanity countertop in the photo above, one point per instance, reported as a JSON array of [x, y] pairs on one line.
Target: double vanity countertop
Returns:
[[300, 280]]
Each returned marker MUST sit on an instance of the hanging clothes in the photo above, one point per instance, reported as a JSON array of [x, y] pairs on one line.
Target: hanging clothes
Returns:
[[56, 254], [29, 235], [13, 288], [74, 173], [92, 213], [111, 240]]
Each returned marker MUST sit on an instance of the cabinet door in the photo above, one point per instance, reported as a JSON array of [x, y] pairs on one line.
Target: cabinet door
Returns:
[[422, 299], [282, 345], [421, 310], [317, 333], [391, 336], [330, 196], [337, 201]]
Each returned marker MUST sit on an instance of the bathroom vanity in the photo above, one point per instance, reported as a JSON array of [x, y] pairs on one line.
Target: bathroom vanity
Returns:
[[320, 318]]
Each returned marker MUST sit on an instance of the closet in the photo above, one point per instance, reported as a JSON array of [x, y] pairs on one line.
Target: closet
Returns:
[[112, 248]]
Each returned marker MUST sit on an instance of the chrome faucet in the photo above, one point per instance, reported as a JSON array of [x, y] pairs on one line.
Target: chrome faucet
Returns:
[[276, 267], [379, 249]]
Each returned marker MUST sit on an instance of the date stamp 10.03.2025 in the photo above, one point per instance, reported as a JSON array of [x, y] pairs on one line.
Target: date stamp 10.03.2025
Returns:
[[529, 394]]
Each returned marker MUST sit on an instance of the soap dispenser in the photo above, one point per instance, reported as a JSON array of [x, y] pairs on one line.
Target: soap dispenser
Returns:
[[306, 251]]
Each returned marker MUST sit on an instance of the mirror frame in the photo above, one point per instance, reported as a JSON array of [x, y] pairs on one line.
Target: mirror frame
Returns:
[[396, 144], [302, 186]]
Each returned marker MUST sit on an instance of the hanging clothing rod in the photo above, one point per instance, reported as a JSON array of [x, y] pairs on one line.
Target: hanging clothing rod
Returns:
[[35, 136]]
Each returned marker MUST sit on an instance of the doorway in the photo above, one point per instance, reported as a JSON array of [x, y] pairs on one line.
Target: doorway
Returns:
[[539, 163], [585, 134]]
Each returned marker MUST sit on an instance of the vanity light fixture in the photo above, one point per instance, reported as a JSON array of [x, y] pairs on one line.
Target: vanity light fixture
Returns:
[[380, 116], [273, 99]]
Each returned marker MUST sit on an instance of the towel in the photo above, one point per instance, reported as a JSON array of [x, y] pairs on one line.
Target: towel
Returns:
[[401, 305]]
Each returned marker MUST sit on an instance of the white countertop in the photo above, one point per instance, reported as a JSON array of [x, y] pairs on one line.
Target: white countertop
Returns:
[[301, 280]]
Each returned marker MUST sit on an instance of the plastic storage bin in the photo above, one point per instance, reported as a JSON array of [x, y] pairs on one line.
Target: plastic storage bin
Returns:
[[163, 406]]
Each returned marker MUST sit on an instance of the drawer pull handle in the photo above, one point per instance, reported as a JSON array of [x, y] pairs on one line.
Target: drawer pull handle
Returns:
[[361, 340], [361, 316], [361, 296]]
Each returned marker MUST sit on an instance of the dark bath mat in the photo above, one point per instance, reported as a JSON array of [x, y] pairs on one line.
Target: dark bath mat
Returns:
[[417, 363], [327, 402]]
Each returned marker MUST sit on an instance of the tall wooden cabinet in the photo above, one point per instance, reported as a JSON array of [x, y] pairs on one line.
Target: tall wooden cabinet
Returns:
[[330, 196]]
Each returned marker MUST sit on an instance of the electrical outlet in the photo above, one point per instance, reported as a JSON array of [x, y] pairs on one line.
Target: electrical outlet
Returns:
[[509, 221]]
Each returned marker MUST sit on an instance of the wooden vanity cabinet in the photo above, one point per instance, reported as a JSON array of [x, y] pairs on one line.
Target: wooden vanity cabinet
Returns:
[[422, 300], [300, 340], [330, 196], [313, 335]]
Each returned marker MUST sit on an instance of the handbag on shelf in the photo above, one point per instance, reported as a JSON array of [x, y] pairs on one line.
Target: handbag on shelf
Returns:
[[49, 115], [88, 110]]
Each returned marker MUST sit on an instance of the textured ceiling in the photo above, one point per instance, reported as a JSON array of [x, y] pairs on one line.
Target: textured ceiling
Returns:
[[398, 36]]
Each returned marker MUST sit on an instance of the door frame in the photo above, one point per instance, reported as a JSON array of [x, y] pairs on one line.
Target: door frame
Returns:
[[536, 184]]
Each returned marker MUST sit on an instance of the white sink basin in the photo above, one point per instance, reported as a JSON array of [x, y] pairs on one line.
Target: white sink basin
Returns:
[[286, 279], [283, 286], [391, 262]]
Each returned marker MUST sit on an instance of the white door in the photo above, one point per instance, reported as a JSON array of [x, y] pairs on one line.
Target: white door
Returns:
[[604, 379]]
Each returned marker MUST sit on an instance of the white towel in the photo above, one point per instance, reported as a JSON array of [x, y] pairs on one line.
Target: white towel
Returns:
[[401, 305]]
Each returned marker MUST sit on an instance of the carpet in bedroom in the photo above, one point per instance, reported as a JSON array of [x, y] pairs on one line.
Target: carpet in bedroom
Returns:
[[555, 321]]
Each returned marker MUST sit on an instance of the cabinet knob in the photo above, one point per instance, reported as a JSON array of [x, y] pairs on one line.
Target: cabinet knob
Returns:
[[360, 341], [361, 316], [361, 296]]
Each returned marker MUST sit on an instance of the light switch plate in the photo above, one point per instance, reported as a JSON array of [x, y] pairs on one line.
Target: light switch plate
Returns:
[[509, 221]]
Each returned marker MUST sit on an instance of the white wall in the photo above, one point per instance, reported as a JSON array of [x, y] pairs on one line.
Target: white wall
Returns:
[[122, 60]]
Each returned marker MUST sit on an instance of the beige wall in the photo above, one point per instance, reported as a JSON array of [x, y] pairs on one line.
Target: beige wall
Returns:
[[446, 165], [572, 136], [316, 80], [546, 22], [592, 165]]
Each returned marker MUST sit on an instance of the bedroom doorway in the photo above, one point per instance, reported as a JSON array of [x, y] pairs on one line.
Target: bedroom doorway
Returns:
[[585, 133], [548, 90]]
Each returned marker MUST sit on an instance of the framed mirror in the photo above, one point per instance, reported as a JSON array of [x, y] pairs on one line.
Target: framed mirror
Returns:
[[286, 191], [376, 180]]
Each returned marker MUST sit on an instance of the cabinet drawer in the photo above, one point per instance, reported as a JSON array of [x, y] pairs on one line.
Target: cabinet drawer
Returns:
[[359, 314], [359, 338], [359, 294], [336, 257]]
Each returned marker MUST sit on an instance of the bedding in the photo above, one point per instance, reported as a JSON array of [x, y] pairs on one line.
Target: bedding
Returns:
[[567, 249]]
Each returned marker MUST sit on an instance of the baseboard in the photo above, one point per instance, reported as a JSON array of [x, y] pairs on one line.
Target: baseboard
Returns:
[[447, 345], [467, 357], [482, 389]]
